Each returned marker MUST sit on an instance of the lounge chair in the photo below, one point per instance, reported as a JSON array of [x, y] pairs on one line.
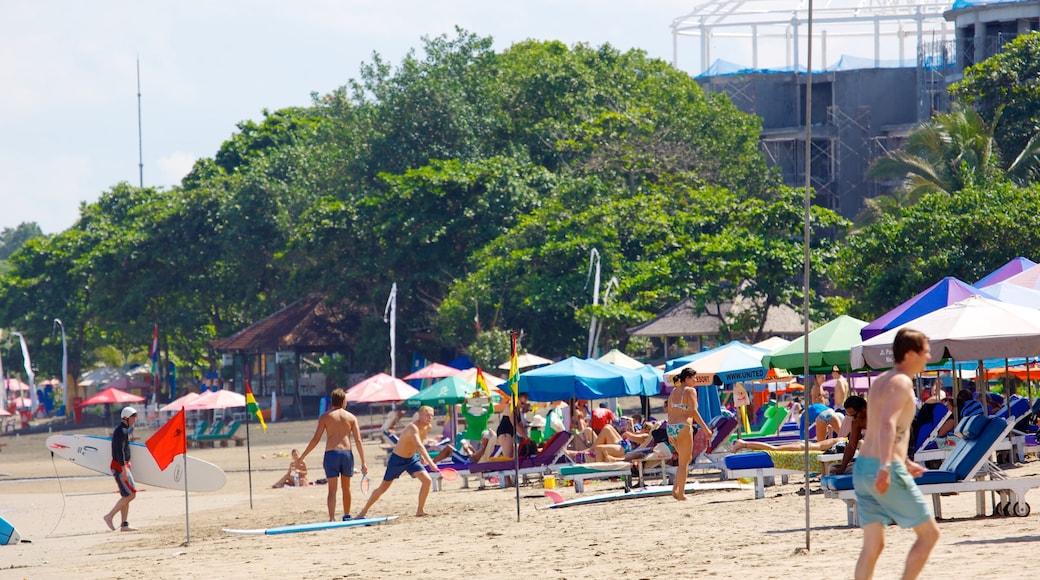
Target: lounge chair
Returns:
[[766, 466], [222, 437], [541, 463], [775, 416], [712, 458], [964, 470]]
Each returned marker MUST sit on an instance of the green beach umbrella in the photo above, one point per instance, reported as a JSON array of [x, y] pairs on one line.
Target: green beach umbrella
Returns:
[[829, 346], [450, 391]]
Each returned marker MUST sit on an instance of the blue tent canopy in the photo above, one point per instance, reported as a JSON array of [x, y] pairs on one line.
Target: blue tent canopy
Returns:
[[579, 379], [685, 360], [938, 295]]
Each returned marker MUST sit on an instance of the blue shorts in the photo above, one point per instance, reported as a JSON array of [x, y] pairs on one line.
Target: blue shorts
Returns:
[[826, 415], [903, 503], [338, 462], [398, 465]]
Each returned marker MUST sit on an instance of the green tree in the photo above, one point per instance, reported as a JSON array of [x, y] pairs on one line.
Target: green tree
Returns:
[[965, 234], [1004, 87], [13, 238]]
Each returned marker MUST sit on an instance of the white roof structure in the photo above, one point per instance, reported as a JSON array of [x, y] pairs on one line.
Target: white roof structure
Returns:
[[767, 34]]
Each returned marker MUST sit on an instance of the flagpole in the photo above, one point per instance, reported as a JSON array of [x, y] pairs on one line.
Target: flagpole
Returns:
[[514, 379], [187, 517], [249, 462]]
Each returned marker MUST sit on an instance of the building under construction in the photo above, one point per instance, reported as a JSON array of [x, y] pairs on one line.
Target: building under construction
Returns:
[[879, 67]]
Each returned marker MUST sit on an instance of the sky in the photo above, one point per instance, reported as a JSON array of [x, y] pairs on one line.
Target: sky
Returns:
[[68, 75]]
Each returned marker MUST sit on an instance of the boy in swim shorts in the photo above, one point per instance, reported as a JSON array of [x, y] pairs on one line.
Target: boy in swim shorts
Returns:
[[883, 475], [406, 457], [340, 427]]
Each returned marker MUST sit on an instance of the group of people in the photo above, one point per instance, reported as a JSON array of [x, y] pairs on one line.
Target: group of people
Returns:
[[883, 473]]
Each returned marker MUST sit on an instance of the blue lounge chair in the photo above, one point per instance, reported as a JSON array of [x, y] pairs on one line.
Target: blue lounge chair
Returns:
[[965, 469]]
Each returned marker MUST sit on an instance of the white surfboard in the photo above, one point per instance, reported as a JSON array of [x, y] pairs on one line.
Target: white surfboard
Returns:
[[312, 527], [95, 454], [8, 535]]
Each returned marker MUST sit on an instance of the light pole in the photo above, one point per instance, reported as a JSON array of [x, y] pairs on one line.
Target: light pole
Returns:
[[805, 241]]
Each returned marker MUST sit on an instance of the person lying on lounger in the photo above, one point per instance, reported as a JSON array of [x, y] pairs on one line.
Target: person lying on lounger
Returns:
[[613, 446], [753, 445]]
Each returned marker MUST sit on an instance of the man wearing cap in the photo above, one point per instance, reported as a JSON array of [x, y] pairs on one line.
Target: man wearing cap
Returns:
[[121, 469]]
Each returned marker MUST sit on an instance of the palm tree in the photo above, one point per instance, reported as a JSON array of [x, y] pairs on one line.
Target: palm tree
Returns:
[[944, 155]]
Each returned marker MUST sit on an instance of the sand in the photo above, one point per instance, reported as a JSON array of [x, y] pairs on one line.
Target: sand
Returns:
[[471, 532]]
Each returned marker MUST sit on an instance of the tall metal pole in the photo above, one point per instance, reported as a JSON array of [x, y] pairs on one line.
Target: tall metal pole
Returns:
[[140, 138], [805, 242]]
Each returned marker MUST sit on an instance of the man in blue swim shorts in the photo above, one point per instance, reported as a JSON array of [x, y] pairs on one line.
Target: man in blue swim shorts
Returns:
[[405, 457], [883, 475], [340, 427]]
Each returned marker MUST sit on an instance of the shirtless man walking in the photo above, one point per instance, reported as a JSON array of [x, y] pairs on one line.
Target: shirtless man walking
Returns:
[[338, 425], [405, 457], [883, 459]]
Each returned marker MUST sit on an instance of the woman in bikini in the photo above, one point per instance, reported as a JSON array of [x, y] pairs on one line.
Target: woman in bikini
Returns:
[[683, 419]]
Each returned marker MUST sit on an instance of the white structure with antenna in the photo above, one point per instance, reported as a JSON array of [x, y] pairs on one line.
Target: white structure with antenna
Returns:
[[758, 33]]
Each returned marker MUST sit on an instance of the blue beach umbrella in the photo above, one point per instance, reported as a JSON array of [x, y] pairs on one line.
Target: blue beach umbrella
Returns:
[[575, 378]]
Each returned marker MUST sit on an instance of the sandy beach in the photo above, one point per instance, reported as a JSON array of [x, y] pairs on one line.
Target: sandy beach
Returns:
[[720, 534]]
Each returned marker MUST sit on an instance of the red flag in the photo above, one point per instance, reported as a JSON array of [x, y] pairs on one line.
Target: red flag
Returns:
[[169, 441]]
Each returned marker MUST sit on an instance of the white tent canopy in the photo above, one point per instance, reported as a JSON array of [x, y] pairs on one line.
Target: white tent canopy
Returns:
[[974, 328]]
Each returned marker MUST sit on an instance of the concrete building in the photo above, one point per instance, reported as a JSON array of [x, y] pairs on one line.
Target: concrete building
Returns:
[[879, 68]]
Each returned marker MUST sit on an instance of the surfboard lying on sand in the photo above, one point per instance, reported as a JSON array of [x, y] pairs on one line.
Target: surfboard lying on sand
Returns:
[[640, 492], [312, 527], [8, 535], [95, 454]]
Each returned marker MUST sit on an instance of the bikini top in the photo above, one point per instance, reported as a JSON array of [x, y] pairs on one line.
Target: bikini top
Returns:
[[681, 406]]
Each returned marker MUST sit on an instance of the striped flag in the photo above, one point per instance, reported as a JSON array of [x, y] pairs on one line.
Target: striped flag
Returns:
[[514, 371], [481, 383], [153, 352], [252, 407]]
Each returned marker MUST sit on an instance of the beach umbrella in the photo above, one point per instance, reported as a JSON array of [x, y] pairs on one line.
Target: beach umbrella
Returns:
[[111, 395], [973, 329], [471, 376], [829, 346], [179, 403], [526, 360], [616, 357], [14, 385], [1013, 267], [734, 345], [448, 391], [219, 399], [725, 366], [942, 293], [574, 378], [432, 371], [1014, 294], [772, 343], [380, 388]]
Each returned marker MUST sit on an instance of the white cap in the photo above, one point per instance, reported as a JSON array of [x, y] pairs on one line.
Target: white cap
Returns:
[[127, 412]]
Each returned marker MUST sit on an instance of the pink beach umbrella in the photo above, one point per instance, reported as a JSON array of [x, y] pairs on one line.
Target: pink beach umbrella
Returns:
[[179, 403], [432, 371], [381, 388], [222, 399]]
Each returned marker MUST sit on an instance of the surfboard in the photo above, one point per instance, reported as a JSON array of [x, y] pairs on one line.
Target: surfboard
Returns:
[[95, 453], [641, 492], [311, 527], [8, 535]]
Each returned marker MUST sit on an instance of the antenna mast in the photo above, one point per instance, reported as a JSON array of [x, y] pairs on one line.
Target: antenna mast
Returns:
[[140, 145]]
